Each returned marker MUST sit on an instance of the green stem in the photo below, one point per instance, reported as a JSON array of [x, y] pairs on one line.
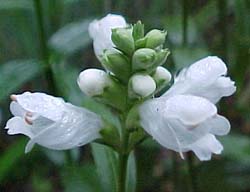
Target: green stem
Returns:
[[184, 21], [175, 171], [43, 46], [123, 157], [222, 10], [192, 173], [123, 161]]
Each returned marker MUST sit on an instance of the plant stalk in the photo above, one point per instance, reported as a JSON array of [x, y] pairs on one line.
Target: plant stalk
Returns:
[[123, 156], [184, 21], [43, 46], [192, 172]]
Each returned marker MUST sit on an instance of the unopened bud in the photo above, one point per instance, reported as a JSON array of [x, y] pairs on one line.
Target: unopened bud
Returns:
[[92, 82], [141, 85], [155, 38], [123, 39], [162, 77], [117, 63], [143, 59], [161, 57], [138, 31], [103, 87]]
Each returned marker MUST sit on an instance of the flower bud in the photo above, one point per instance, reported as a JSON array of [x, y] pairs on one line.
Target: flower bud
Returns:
[[123, 39], [162, 56], [162, 77], [103, 87], [117, 63], [92, 82], [143, 59], [155, 38], [138, 31], [141, 85]]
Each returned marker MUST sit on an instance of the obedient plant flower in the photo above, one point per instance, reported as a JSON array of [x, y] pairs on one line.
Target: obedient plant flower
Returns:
[[100, 31], [51, 122], [205, 78], [185, 117]]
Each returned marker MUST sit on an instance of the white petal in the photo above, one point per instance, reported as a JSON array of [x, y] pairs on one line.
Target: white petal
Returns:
[[100, 32], [170, 123], [205, 146], [190, 109], [17, 125], [219, 125], [16, 109], [78, 127], [206, 70], [205, 78], [42, 104]]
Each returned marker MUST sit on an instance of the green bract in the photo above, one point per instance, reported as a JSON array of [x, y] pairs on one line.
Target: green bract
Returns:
[[155, 38], [143, 59], [117, 63], [123, 39]]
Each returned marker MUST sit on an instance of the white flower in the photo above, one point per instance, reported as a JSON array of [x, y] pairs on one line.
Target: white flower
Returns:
[[100, 32], [205, 78], [51, 122], [185, 117]]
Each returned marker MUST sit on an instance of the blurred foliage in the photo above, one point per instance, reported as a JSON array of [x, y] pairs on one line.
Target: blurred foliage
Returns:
[[196, 28]]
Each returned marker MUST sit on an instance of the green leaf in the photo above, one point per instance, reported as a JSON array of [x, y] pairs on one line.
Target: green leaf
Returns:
[[14, 74], [131, 174], [9, 157], [71, 38], [106, 165], [80, 178], [15, 4]]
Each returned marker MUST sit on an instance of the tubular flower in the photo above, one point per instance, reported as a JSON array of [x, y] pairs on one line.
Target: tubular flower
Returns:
[[51, 122], [100, 31], [185, 117]]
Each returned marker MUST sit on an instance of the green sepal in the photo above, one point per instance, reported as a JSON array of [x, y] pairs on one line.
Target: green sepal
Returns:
[[114, 95], [110, 136], [136, 137], [133, 118], [155, 38], [143, 59], [140, 43], [123, 39], [117, 63], [137, 133], [138, 30], [161, 58]]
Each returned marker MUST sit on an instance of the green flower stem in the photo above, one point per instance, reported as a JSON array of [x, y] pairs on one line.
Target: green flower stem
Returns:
[[123, 162], [184, 21], [43, 46], [123, 157], [192, 172]]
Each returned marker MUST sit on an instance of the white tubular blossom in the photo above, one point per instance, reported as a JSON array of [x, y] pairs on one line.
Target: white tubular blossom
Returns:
[[100, 32], [51, 122]]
